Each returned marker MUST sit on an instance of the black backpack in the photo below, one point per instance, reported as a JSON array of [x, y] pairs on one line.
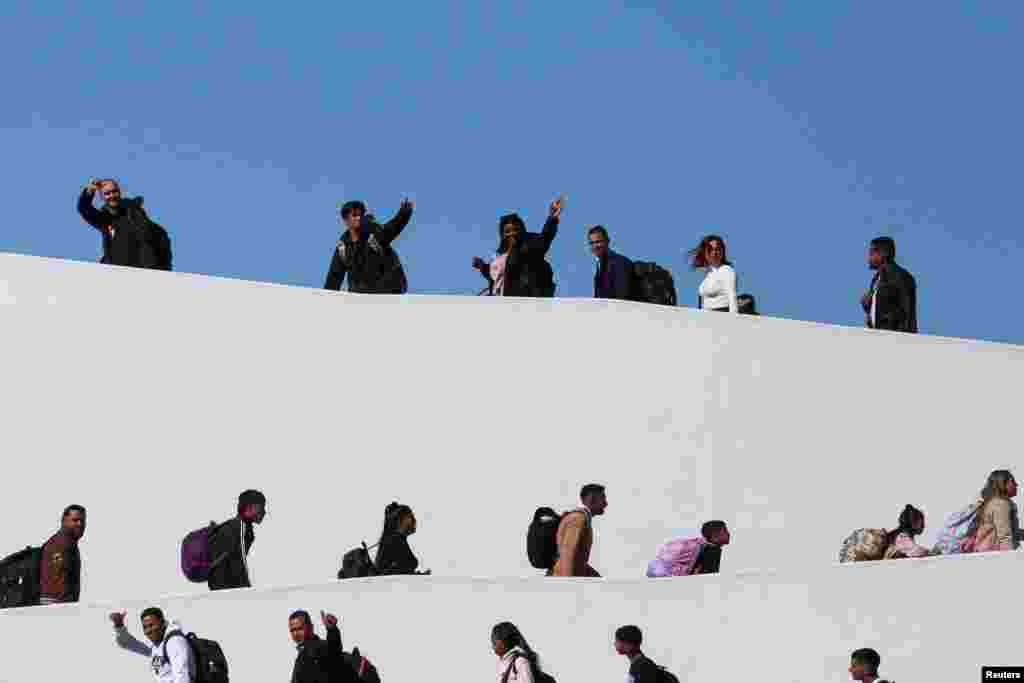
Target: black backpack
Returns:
[[155, 233], [745, 303], [357, 563], [19, 578], [357, 662], [666, 676], [653, 284], [211, 664], [541, 538]]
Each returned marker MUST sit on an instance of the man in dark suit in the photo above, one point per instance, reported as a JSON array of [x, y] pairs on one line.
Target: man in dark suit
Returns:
[[891, 301], [614, 276]]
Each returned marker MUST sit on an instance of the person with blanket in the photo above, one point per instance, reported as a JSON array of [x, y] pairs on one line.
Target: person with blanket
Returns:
[[690, 556]]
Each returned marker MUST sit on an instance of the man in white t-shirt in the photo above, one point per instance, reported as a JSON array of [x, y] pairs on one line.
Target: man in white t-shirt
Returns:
[[168, 648]]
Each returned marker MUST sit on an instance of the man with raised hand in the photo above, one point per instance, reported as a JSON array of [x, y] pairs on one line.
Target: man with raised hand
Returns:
[[364, 252], [318, 660], [170, 657], [130, 238]]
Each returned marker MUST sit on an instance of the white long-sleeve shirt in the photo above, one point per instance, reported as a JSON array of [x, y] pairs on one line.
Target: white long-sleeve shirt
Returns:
[[176, 667], [718, 290]]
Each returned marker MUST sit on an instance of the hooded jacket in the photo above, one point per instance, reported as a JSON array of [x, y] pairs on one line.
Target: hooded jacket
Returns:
[[370, 263], [171, 659], [230, 544], [60, 569], [527, 272], [322, 661], [130, 238]]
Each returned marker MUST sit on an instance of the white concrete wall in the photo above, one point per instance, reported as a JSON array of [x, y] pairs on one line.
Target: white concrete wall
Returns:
[[154, 398], [937, 619]]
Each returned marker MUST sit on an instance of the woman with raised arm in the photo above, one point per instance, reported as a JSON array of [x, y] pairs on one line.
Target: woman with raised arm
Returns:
[[520, 267]]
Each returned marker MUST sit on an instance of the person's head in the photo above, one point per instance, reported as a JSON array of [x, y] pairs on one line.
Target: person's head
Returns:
[[300, 626], [881, 251], [1000, 484], [154, 627], [594, 498], [715, 532], [864, 664], [628, 640], [252, 506], [399, 519], [598, 239], [911, 521], [506, 636], [710, 252], [110, 191], [72, 522], [352, 213], [510, 231]]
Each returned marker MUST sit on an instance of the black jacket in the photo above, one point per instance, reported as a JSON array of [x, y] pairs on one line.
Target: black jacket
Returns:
[[618, 270], [226, 549], [527, 272], [896, 302], [394, 556], [322, 661], [136, 240], [371, 264], [710, 559], [643, 670]]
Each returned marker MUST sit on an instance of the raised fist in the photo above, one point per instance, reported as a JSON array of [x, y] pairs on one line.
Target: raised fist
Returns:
[[330, 621], [117, 618]]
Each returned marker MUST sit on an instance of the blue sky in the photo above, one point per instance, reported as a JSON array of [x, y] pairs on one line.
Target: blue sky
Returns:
[[797, 130]]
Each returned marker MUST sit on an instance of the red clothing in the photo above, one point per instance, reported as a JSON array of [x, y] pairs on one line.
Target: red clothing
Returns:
[[60, 569]]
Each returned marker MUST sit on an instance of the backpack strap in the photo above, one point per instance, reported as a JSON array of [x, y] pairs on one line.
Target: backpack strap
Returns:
[[167, 638], [512, 664]]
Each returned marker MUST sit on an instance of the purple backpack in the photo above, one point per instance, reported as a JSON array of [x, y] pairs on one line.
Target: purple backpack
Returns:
[[195, 554]]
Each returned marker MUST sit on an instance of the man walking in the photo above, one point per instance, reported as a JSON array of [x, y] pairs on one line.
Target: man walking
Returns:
[[614, 276], [60, 565], [232, 541], [576, 534], [891, 301]]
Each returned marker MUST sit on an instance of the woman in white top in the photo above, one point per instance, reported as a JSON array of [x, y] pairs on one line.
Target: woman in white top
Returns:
[[718, 290], [517, 663]]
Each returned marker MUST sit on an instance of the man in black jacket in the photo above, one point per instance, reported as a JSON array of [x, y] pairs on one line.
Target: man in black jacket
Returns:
[[641, 669], [891, 301], [614, 276], [231, 542], [130, 238], [520, 267], [364, 252], [318, 660]]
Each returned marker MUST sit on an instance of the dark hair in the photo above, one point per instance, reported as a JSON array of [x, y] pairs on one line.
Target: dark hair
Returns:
[[300, 614], [868, 657], [886, 246], [599, 229], [250, 497], [393, 515], [507, 633], [152, 612], [591, 490], [698, 255], [508, 218], [745, 303], [348, 207], [905, 525], [630, 634], [72, 508], [711, 527]]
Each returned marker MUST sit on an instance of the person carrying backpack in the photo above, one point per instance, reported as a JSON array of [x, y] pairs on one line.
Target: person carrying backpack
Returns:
[[60, 563], [231, 542], [864, 665], [394, 556], [614, 276], [520, 267], [690, 556], [641, 669], [130, 237], [171, 658], [575, 535], [517, 662], [318, 660], [364, 252]]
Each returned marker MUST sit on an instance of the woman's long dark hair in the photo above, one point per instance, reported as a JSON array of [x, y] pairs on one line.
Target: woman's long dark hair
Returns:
[[906, 524], [393, 515], [507, 633], [698, 255]]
